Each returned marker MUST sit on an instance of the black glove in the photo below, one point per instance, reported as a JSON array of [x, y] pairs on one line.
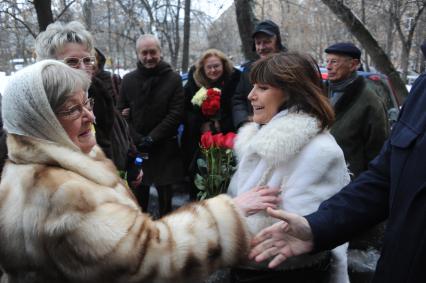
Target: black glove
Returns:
[[145, 144]]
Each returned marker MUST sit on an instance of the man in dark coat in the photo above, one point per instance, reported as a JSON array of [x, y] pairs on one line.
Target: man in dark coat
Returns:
[[266, 40], [361, 125], [393, 188], [152, 99]]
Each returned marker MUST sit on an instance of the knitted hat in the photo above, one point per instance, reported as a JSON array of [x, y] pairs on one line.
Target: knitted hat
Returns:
[[26, 109]]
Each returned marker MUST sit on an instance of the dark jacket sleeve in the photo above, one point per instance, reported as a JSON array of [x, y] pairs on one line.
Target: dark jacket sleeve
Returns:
[[357, 207], [123, 100], [168, 126], [366, 201], [226, 120], [240, 104]]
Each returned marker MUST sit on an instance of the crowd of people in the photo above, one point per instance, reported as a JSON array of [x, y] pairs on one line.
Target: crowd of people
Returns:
[[319, 177]]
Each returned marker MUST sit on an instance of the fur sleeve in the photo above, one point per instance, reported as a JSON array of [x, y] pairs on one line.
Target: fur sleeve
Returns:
[[118, 241]]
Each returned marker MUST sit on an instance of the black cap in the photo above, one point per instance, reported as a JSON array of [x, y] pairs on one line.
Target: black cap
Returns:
[[270, 28], [344, 48]]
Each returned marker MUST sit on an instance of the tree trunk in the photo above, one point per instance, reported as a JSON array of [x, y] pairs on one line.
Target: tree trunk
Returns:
[[404, 62], [377, 54], [44, 13], [87, 13], [246, 22], [366, 65], [389, 32], [186, 36]]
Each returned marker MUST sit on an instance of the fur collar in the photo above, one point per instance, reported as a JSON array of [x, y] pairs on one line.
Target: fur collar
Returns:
[[93, 166], [279, 140]]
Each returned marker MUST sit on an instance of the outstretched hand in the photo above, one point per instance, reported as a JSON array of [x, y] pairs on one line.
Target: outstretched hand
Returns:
[[290, 237], [258, 199]]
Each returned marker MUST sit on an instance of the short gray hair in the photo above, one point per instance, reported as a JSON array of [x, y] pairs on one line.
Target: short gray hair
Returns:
[[147, 36], [51, 41], [60, 84], [34, 94]]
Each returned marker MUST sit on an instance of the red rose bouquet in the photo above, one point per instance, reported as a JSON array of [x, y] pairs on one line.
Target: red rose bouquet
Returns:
[[208, 100], [216, 165]]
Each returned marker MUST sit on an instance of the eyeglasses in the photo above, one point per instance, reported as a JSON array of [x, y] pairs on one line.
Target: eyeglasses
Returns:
[[76, 111], [74, 62], [213, 67], [336, 63]]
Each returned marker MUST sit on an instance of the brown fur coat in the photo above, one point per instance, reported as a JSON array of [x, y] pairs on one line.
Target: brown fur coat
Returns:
[[67, 217]]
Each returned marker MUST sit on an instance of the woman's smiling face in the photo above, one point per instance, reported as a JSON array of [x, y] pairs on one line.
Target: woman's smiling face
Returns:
[[266, 100], [76, 117], [213, 68]]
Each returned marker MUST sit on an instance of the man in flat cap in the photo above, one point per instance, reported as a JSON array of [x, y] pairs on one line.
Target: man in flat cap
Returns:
[[361, 125], [361, 128], [266, 40]]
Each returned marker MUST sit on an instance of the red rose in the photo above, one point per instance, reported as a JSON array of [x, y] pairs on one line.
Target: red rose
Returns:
[[212, 92], [206, 140], [218, 140], [210, 107], [228, 140], [215, 105], [211, 104]]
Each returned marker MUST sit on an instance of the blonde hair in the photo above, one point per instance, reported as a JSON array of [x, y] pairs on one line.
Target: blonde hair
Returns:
[[199, 74], [51, 41]]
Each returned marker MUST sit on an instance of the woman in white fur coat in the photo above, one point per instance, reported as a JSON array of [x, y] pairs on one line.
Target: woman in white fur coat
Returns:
[[288, 146], [66, 216]]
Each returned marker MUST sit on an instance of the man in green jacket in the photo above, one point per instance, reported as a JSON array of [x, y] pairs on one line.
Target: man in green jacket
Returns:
[[361, 125], [361, 128]]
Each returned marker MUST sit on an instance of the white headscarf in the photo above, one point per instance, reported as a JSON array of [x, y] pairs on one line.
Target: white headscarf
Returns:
[[26, 109]]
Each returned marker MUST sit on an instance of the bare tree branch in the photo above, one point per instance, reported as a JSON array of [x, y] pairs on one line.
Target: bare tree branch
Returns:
[[22, 22]]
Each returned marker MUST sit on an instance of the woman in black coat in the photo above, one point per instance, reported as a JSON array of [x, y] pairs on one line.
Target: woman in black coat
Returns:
[[212, 70]]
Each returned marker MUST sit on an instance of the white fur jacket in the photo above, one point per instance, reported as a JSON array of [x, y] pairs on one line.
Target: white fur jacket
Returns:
[[67, 217], [292, 153]]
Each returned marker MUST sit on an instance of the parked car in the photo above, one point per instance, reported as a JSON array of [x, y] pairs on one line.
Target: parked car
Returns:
[[383, 88]]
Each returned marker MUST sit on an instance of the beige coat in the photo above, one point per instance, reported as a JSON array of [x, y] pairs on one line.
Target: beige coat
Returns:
[[67, 217]]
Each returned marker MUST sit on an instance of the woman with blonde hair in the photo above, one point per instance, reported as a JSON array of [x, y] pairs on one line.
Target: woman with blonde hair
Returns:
[[212, 70]]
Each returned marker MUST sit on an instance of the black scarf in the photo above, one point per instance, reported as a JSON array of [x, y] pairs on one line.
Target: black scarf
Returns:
[[150, 77]]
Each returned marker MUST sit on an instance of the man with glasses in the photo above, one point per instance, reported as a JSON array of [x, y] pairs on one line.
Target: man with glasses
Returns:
[[361, 125], [361, 128]]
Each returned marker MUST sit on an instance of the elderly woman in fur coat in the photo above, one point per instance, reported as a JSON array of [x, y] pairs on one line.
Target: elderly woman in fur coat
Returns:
[[66, 216], [288, 146]]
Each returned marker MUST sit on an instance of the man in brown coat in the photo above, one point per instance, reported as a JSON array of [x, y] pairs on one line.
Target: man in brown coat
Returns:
[[151, 97]]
